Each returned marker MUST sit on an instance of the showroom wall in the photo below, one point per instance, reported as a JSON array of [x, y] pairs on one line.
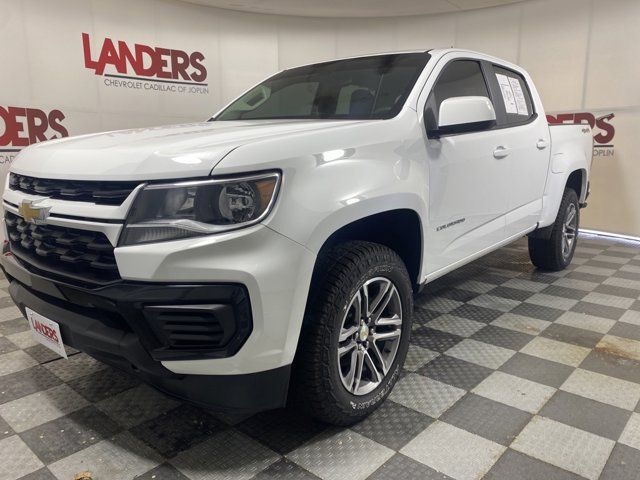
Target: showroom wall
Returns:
[[80, 66]]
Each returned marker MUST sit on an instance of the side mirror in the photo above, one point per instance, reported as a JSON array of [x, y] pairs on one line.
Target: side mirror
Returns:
[[464, 115]]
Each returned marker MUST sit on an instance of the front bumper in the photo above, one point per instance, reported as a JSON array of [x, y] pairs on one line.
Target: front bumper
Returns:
[[110, 324]]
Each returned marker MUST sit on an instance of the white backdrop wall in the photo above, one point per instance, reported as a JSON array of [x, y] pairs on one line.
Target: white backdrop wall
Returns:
[[582, 53]]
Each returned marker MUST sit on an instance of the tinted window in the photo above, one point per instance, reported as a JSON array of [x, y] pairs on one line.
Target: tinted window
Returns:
[[460, 78], [515, 100], [358, 88]]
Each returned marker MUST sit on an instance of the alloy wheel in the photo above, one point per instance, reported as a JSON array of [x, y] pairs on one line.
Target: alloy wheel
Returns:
[[369, 336]]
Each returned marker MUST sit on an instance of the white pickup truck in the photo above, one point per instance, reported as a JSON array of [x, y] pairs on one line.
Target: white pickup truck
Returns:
[[271, 253]]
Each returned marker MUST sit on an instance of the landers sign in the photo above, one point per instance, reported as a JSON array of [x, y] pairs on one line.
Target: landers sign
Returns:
[[20, 127], [146, 68], [602, 128]]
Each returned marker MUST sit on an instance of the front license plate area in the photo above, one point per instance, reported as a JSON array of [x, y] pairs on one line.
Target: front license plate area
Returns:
[[46, 332]]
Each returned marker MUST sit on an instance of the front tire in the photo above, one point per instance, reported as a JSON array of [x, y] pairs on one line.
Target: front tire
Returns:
[[355, 334], [556, 252]]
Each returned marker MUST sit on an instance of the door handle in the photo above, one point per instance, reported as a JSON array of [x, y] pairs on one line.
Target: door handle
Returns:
[[501, 152], [542, 144]]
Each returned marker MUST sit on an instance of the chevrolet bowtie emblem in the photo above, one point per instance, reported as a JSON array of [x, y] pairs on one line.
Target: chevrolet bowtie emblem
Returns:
[[33, 213]]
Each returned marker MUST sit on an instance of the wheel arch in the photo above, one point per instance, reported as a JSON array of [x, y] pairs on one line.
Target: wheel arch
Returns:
[[399, 229]]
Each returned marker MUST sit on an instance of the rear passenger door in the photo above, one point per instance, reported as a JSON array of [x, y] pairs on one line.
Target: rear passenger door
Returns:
[[526, 142]]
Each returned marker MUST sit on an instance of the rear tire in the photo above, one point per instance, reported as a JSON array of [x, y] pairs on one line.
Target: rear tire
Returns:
[[556, 252], [351, 347]]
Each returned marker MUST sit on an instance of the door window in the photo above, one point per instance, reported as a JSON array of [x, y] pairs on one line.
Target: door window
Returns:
[[514, 102], [460, 78]]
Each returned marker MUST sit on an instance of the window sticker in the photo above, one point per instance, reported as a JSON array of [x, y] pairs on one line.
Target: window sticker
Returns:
[[521, 103], [507, 93]]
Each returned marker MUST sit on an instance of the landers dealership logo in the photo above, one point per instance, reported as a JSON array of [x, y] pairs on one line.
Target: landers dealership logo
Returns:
[[20, 127], [141, 67], [603, 130]]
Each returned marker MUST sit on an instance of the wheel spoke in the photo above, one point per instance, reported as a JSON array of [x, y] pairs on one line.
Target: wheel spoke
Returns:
[[570, 216], [390, 321], [380, 336], [345, 333], [376, 376], [358, 370], [381, 301], [378, 354], [350, 376], [342, 351]]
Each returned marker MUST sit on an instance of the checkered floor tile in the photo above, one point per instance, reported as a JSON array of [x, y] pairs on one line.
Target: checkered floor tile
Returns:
[[512, 374]]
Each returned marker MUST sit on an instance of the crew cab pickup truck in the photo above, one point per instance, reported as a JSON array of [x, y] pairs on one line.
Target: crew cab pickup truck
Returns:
[[269, 255]]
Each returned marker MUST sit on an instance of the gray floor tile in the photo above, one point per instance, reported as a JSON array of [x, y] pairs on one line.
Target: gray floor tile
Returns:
[[586, 322], [18, 460], [40, 407], [474, 312], [177, 430], [393, 425], [564, 446], [345, 449], [26, 382], [163, 471], [625, 330], [284, 469], [537, 369], [16, 325], [401, 467], [425, 395], [538, 311], [613, 365], [228, 454], [502, 337], [515, 391], [281, 430], [566, 292], [631, 434], [102, 384], [7, 346], [489, 419], [122, 457], [602, 388], [434, 340], [66, 435], [624, 347], [556, 351], [456, 372], [15, 361], [511, 293], [614, 313], [42, 474], [418, 357], [572, 335], [589, 415], [517, 466], [453, 451], [624, 464], [481, 353]]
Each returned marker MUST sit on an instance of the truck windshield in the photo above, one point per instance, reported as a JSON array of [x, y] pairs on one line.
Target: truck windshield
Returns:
[[373, 87]]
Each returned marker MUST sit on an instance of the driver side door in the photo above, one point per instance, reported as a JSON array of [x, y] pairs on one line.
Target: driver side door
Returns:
[[468, 179]]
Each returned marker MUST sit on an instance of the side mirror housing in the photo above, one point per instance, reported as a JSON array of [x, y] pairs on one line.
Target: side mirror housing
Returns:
[[464, 115]]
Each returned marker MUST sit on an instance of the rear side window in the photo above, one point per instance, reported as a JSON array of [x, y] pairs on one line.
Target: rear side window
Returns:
[[460, 78], [514, 100]]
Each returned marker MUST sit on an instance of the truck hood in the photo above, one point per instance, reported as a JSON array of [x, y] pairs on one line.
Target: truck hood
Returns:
[[175, 151]]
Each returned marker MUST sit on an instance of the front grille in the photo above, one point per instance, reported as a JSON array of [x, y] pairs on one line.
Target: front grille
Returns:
[[80, 255], [103, 193]]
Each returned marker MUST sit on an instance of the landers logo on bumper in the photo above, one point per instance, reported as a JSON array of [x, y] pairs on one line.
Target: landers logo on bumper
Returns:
[[20, 127], [146, 68], [603, 130]]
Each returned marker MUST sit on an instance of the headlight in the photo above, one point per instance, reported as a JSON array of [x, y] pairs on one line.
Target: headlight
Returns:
[[189, 209]]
